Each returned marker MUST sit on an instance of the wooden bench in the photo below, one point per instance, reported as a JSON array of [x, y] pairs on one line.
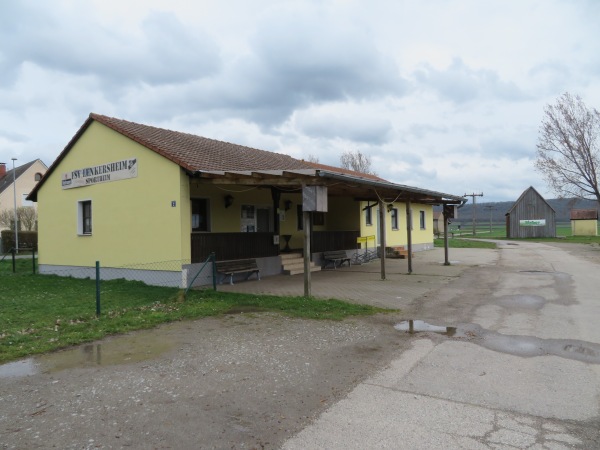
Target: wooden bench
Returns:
[[336, 257], [229, 268]]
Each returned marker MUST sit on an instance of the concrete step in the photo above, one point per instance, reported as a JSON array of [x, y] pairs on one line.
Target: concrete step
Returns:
[[295, 265], [286, 256], [299, 271]]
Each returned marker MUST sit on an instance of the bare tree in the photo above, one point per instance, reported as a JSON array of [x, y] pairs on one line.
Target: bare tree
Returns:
[[27, 216], [6, 218], [312, 158], [357, 161], [568, 151]]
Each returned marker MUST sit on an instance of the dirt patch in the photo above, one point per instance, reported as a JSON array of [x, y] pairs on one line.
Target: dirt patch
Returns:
[[240, 381]]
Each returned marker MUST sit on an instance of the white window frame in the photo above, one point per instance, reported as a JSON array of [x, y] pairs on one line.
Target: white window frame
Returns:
[[422, 220], [80, 225]]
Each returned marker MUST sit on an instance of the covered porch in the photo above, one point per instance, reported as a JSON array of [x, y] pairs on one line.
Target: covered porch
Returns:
[[288, 225]]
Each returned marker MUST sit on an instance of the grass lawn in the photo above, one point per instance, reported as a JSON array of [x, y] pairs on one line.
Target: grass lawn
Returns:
[[41, 313], [464, 243]]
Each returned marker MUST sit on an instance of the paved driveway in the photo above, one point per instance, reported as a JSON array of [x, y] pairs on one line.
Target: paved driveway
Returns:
[[518, 367], [363, 284]]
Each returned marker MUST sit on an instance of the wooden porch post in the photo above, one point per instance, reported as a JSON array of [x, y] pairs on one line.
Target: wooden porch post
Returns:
[[382, 240], [446, 261], [307, 223], [276, 195], [409, 234]]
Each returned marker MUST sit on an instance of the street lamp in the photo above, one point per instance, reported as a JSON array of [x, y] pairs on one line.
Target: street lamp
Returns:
[[15, 197]]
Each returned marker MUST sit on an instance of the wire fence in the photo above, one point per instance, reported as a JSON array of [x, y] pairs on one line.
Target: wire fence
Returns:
[[111, 283], [170, 273]]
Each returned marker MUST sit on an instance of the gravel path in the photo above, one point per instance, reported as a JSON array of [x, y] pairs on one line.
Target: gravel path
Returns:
[[241, 381]]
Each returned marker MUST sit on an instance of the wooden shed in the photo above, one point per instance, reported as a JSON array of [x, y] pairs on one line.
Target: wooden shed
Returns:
[[531, 217], [584, 222]]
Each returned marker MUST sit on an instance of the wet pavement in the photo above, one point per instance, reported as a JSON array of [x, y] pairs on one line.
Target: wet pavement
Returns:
[[515, 365], [363, 283]]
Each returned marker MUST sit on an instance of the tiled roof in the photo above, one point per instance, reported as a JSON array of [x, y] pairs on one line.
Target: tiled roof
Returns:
[[584, 214], [7, 179], [196, 153], [522, 196]]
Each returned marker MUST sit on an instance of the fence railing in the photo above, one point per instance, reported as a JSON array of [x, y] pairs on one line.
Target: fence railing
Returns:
[[232, 246], [325, 241], [12, 255]]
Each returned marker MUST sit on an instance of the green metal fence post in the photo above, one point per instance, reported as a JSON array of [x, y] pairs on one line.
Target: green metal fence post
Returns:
[[12, 250], [213, 257], [98, 288], [33, 259]]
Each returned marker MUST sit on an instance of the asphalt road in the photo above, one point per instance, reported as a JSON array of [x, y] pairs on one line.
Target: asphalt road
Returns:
[[519, 366]]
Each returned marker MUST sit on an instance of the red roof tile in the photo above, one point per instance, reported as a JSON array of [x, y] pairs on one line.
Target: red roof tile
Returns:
[[584, 214], [196, 153]]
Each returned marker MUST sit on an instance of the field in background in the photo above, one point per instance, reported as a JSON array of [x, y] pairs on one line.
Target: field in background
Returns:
[[498, 231]]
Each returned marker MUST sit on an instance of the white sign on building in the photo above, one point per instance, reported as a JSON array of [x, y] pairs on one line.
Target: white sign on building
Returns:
[[533, 223], [103, 173]]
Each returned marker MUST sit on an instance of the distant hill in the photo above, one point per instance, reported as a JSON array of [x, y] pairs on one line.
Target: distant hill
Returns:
[[562, 206]]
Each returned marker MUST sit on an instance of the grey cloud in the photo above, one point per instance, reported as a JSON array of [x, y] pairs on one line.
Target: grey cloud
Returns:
[[292, 63], [421, 130], [460, 84], [322, 60], [552, 76], [11, 136], [359, 129], [297, 59], [165, 52], [506, 148]]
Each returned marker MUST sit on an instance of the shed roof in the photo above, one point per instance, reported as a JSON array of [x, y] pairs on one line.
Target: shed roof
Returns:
[[226, 163], [584, 214], [530, 188]]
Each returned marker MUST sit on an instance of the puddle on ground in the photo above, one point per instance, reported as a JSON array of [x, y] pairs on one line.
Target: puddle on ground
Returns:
[[525, 346], [127, 349], [21, 368]]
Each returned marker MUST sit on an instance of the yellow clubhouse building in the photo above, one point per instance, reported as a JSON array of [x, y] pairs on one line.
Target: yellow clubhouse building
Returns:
[[152, 204]]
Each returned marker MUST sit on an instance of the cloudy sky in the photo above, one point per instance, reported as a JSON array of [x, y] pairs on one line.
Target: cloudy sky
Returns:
[[442, 94]]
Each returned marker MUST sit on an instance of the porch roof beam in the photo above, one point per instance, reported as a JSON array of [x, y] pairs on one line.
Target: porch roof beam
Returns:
[[391, 188]]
